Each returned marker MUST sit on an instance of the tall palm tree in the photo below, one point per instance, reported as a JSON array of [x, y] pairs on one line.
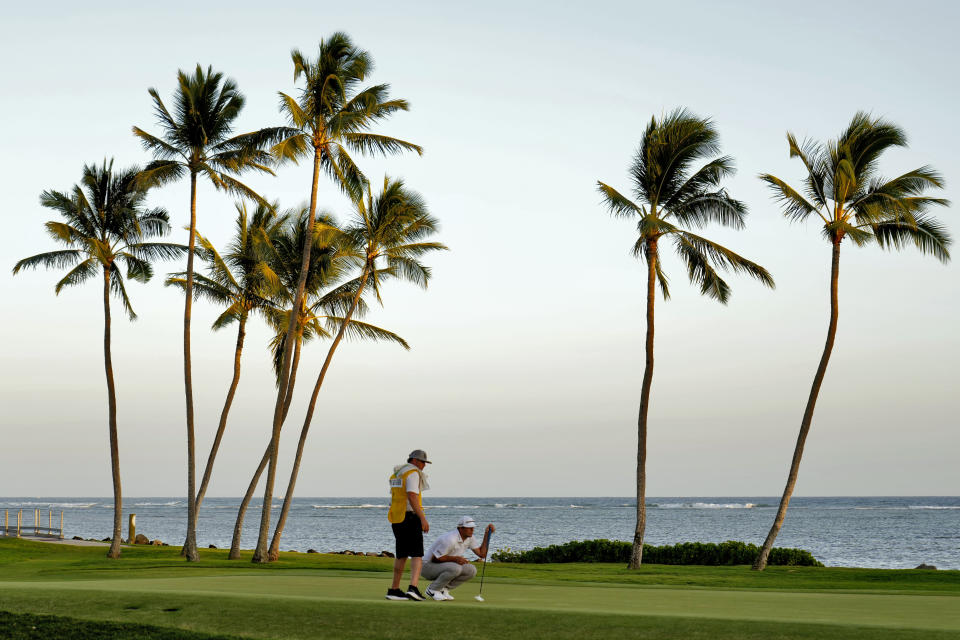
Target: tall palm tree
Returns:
[[105, 224], [389, 234], [673, 195], [243, 281], [325, 301], [196, 140], [843, 187], [330, 118]]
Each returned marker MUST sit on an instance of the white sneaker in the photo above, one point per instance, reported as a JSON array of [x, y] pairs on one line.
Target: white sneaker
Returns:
[[436, 595], [446, 594]]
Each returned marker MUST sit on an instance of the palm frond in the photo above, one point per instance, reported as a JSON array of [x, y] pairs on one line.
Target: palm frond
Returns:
[[120, 291], [78, 275], [795, 206], [49, 260], [369, 143], [617, 204], [925, 233], [363, 331]]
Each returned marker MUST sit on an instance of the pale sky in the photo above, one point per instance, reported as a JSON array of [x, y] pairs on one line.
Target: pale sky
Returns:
[[527, 351]]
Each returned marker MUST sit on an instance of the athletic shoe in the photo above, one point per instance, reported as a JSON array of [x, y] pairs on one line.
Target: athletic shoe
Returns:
[[446, 594], [396, 594], [436, 595], [414, 594]]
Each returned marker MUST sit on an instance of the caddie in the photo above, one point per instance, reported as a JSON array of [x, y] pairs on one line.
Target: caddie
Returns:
[[445, 562], [407, 484]]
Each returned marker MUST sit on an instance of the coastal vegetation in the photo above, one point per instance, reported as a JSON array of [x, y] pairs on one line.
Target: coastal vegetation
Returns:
[[730, 552], [106, 225], [673, 195], [844, 188]]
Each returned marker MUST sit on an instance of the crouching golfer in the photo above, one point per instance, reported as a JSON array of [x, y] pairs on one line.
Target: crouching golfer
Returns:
[[445, 563], [407, 484]]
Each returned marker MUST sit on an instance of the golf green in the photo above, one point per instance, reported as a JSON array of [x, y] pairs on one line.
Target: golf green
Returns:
[[324, 596], [870, 609]]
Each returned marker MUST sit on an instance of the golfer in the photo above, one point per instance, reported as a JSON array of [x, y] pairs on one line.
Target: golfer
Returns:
[[445, 563], [407, 484]]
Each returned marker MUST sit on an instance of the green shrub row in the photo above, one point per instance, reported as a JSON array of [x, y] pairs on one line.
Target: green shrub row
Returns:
[[730, 552]]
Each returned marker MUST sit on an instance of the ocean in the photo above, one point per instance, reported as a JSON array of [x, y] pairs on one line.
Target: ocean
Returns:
[[883, 532]]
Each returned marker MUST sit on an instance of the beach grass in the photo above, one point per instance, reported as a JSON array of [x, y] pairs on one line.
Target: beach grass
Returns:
[[319, 595]]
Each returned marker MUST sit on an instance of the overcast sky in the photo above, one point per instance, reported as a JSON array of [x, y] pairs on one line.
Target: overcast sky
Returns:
[[527, 356]]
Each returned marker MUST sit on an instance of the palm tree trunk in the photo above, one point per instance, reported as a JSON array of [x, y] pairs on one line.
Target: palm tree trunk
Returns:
[[636, 553], [260, 554], [190, 546], [761, 562], [114, 551], [208, 470], [288, 497], [248, 496], [231, 392]]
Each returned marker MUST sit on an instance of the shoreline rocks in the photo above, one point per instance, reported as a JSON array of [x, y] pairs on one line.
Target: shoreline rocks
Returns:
[[369, 554]]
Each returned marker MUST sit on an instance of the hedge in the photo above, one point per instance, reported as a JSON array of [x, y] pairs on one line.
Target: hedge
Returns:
[[730, 552]]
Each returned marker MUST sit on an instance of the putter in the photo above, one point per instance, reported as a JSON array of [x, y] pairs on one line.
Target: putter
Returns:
[[479, 596]]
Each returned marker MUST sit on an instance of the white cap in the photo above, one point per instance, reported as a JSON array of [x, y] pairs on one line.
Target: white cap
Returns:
[[466, 522]]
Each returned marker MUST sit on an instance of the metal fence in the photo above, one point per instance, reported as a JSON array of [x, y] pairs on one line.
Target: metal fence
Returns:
[[17, 526]]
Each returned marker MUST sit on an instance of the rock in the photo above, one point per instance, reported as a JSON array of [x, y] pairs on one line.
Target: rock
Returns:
[[77, 538], [386, 554], [164, 544], [141, 539], [106, 540], [312, 551], [292, 551], [157, 543], [371, 554], [348, 553], [211, 546], [926, 566]]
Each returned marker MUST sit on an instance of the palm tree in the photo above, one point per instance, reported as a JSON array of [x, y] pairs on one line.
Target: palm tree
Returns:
[[330, 118], [671, 197], [323, 303], [844, 188], [105, 225], [243, 281], [389, 235], [196, 141]]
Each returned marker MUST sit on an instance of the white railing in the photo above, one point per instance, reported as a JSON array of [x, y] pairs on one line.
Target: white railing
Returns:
[[19, 527]]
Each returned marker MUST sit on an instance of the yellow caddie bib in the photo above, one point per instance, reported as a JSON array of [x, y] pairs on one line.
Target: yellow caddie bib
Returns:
[[398, 493]]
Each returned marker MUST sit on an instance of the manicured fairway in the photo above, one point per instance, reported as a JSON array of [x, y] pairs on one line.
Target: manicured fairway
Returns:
[[320, 597]]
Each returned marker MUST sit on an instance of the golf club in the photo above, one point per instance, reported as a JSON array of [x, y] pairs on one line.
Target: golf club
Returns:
[[479, 596]]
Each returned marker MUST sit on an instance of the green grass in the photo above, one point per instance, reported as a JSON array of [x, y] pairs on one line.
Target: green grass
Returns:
[[309, 596]]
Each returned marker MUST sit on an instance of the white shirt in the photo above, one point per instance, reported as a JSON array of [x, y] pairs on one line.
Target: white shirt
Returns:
[[450, 544], [412, 485]]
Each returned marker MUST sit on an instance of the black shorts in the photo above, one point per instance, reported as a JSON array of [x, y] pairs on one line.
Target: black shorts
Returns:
[[409, 535]]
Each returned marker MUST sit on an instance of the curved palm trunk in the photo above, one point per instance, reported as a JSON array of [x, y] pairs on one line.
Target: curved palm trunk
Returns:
[[114, 551], [231, 392], [761, 562], [248, 496], [260, 554], [190, 545], [288, 497], [636, 553]]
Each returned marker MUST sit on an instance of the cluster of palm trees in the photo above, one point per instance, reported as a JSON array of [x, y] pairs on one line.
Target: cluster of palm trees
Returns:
[[306, 274], [843, 187]]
